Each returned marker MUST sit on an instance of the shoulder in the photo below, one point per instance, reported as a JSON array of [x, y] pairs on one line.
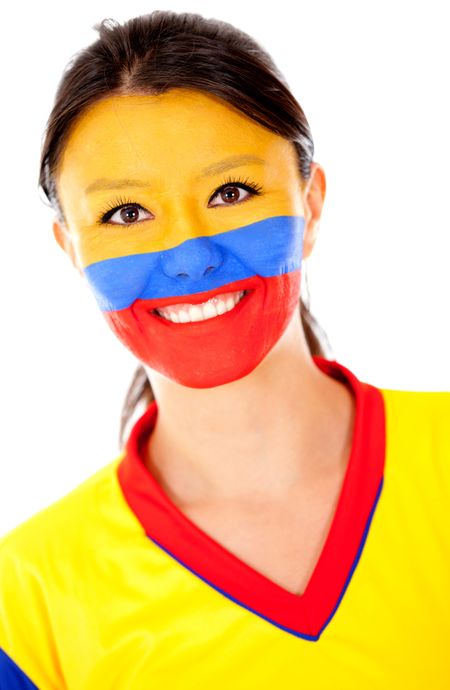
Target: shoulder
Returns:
[[51, 566], [417, 425], [417, 473], [429, 409], [56, 529], [433, 402]]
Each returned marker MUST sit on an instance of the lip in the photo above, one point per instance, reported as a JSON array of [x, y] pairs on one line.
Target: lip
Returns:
[[247, 294], [196, 299], [205, 326]]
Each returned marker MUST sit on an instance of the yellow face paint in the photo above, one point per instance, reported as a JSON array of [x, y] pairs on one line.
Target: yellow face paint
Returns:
[[175, 239]]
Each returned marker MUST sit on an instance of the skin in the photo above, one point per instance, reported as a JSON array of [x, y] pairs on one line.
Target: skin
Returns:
[[219, 443]]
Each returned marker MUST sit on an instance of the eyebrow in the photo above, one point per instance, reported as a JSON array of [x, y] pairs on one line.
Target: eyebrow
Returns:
[[213, 169]]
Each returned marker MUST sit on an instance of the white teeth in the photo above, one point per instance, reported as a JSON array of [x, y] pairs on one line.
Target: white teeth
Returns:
[[184, 313]]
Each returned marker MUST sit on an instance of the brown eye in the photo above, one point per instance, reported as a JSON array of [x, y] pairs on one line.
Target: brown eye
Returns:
[[125, 214], [230, 194], [129, 214]]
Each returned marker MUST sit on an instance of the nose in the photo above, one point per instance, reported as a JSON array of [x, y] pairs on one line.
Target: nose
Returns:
[[192, 260]]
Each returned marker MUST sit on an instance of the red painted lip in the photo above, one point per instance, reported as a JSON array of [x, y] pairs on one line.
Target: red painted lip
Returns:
[[204, 326], [201, 296]]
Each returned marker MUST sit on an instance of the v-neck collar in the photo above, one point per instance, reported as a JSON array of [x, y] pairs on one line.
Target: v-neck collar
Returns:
[[305, 615]]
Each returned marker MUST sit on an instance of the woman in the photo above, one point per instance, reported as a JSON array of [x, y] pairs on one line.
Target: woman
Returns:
[[271, 518]]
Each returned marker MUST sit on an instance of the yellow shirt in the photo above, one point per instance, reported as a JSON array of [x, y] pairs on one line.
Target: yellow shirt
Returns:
[[112, 587]]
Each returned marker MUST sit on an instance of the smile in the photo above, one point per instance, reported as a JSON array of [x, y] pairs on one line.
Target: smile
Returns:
[[187, 313]]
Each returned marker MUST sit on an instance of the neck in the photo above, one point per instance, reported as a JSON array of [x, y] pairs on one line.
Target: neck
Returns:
[[267, 433]]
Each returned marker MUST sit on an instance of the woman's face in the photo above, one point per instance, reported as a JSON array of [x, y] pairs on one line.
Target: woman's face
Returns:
[[179, 203]]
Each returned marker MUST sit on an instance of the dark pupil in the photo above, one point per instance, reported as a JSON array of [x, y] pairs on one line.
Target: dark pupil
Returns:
[[128, 210], [229, 190]]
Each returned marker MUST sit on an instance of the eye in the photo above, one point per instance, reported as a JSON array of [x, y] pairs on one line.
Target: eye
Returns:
[[127, 211], [230, 191]]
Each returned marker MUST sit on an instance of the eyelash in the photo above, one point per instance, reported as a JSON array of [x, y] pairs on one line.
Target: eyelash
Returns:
[[120, 202]]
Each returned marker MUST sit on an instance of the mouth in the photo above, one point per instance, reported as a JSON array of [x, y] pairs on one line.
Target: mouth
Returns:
[[219, 304]]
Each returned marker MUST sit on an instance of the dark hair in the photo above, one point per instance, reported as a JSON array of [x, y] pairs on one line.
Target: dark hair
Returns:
[[151, 54]]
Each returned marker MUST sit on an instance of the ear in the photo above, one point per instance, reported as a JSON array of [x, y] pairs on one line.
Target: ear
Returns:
[[64, 239], [314, 196]]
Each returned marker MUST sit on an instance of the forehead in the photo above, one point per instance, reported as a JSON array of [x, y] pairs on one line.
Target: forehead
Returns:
[[178, 132]]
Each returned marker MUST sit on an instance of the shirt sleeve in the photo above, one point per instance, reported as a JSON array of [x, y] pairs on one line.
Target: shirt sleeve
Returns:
[[28, 653]]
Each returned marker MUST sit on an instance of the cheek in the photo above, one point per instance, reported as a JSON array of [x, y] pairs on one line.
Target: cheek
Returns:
[[264, 257], [270, 248], [218, 350]]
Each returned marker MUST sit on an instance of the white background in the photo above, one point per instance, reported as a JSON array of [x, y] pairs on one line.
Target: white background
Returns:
[[373, 80]]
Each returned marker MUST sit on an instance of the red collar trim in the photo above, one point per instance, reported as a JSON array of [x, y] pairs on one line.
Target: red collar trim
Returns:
[[304, 615]]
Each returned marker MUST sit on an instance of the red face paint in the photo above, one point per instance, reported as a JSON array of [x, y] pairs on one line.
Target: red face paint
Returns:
[[222, 348]]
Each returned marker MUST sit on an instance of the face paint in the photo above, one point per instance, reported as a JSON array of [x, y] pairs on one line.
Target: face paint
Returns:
[[188, 252]]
